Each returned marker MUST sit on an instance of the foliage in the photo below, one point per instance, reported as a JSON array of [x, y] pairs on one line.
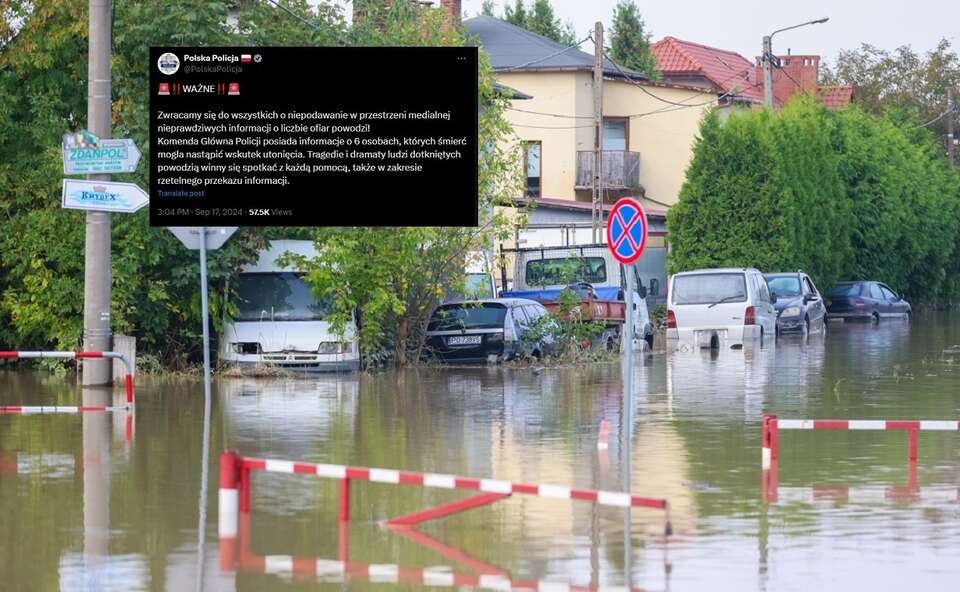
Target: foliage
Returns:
[[901, 80], [540, 19], [630, 41], [566, 327], [155, 286], [394, 277], [487, 8], [841, 195]]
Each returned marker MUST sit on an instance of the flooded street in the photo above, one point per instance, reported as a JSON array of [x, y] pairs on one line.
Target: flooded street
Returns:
[[100, 503]]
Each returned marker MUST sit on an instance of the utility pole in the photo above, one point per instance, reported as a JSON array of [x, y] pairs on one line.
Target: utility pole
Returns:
[[951, 138], [96, 279], [596, 214], [768, 71]]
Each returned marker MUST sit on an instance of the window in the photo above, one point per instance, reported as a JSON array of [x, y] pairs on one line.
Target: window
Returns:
[[707, 288], [844, 289], [459, 317], [654, 287], [875, 292], [532, 153], [809, 286], [615, 134], [763, 293], [277, 297], [888, 293], [784, 286], [566, 270]]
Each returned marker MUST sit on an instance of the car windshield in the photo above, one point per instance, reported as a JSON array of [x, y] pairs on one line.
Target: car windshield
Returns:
[[282, 296], [566, 270], [784, 285], [708, 288], [845, 289], [457, 317]]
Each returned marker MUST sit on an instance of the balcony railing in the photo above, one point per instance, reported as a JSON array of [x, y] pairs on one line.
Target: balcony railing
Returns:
[[620, 169]]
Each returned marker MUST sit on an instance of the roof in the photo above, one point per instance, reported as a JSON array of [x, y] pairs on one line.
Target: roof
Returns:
[[727, 70], [511, 93], [513, 48], [835, 97]]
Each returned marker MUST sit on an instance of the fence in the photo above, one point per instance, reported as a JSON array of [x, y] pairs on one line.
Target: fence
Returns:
[[26, 355]]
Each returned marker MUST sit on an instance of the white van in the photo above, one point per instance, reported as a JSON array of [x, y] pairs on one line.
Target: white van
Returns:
[[280, 323], [718, 307]]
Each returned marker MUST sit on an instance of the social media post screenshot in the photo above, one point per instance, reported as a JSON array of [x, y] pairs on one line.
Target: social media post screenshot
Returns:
[[313, 136]]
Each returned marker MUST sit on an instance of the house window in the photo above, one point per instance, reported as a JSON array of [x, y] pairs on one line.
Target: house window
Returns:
[[615, 134], [532, 152]]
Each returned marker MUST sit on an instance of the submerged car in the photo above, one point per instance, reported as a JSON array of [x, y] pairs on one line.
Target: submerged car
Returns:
[[713, 307], [798, 303], [865, 300], [488, 330]]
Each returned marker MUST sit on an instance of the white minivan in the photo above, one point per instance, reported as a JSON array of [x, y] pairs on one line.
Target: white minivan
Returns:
[[720, 307], [280, 323]]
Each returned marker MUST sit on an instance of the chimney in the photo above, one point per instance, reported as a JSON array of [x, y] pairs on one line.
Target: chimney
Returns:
[[454, 9], [797, 74]]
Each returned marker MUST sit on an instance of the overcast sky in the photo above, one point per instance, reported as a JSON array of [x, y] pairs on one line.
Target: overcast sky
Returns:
[[741, 25]]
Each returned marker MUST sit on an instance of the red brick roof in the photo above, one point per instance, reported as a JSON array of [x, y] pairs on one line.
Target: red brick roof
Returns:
[[835, 97], [727, 70]]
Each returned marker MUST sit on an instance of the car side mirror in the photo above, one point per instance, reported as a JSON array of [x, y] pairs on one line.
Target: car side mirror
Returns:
[[809, 298], [642, 291], [773, 298]]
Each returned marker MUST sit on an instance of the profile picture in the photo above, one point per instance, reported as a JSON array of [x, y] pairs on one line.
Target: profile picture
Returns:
[[168, 63]]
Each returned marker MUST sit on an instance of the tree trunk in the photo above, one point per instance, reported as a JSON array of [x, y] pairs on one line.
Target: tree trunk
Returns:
[[400, 348]]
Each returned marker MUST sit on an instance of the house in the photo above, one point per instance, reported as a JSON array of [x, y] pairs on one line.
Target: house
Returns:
[[739, 81]]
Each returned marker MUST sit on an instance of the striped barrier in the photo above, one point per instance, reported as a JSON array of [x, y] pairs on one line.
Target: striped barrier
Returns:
[[26, 355], [770, 437], [235, 493], [867, 494]]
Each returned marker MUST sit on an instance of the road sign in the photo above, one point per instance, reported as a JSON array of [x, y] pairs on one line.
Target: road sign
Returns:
[[627, 230], [103, 196], [190, 235], [107, 156]]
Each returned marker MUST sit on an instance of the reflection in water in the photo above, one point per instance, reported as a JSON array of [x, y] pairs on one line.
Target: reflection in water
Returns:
[[130, 521]]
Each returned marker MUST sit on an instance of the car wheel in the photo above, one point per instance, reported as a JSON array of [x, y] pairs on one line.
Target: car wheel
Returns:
[[875, 318], [649, 340]]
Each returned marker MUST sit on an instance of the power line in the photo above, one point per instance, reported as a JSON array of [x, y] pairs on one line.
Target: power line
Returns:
[[629, 79], [937, 118], [550, 114], [559, 127]]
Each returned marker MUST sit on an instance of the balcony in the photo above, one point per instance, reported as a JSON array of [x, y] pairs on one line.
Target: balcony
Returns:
[[620, 169]]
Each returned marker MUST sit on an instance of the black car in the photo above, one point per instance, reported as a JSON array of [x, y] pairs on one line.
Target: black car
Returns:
[[798, 304], [865, 300], [489, 330]]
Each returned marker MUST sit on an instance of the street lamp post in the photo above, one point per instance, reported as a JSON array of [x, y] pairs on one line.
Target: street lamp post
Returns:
[[768, 58]]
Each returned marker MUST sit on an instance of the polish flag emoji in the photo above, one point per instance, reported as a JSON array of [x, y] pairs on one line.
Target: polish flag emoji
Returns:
[[246, 58]]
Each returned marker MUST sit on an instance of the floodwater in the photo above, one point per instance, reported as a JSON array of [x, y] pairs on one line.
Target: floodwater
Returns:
[[102, 503]]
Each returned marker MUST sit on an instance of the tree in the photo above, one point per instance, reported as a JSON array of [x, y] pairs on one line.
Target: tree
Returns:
[[842, 194], [540, 19], [390, 279], [630, 42], [487, 8], [901, 80]]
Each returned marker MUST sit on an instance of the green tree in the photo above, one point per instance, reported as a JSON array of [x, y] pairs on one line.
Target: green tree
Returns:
[[487, 8], [540, 19], [900, 80], [630, 41], [839, 194], [393, 278]]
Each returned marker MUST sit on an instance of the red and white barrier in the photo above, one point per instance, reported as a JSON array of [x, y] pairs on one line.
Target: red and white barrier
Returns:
[[26, 355], [235, 491], [867, 494], [770, 438]]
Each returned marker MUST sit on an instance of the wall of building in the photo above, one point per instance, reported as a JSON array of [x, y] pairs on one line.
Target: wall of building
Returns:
[[664, 138]]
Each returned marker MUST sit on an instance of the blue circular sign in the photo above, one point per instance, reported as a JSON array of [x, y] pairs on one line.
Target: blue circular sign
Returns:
[[627, 230]]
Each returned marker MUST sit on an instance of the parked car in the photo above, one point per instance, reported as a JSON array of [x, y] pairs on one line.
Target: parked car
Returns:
[[715, 307], [865, 300], [487, 330], [280, 323], [798, 303]]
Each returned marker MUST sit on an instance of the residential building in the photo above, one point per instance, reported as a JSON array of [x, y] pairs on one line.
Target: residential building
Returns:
[[738, 80]]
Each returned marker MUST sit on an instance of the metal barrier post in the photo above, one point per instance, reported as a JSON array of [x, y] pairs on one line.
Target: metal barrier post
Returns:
[[228, 506], [345, 499]]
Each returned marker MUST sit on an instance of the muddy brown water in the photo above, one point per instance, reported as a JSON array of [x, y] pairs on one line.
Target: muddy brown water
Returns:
[[97, 503]]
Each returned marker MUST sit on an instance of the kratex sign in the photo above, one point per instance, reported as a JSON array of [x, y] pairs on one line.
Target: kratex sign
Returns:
[[108, 156], [103, 196]]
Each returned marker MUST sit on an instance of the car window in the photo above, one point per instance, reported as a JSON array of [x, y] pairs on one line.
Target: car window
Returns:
[[844, 289], [532, 312], [784, 286], [875, 292], [520, 318], [808, 286], [760, 285], [888, 293], [707, 288], [458, 317]]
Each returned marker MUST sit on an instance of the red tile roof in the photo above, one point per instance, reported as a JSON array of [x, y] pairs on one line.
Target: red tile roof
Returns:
[[727, 70], [835, 97]]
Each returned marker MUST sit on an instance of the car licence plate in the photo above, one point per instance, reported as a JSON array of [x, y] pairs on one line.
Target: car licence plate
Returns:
[[464, 340]]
